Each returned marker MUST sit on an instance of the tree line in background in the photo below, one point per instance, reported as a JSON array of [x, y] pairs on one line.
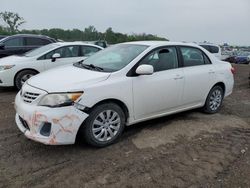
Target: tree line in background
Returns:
[[14, 21]]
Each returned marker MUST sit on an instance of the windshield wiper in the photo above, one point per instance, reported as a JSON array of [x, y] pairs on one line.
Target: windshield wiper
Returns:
[[90, 66]]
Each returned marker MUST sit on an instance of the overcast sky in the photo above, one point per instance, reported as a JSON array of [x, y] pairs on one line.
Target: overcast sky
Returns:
[[216, 21]]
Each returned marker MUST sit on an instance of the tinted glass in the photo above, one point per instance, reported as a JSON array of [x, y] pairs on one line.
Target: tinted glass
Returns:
[[36, 41], [206, 47], [116, 57], [65, 52], [88, 50], [162, 59], [214, 49], [16, 42], [211, 49], [192, 56]]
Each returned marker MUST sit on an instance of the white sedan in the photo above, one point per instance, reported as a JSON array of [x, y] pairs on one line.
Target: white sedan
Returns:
[[120, 86], [16, 69]]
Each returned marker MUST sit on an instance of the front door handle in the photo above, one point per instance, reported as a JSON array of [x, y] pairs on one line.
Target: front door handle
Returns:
[[211, 72]]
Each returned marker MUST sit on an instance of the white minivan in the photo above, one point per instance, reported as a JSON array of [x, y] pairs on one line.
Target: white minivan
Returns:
[[119, 86], [213, 48]]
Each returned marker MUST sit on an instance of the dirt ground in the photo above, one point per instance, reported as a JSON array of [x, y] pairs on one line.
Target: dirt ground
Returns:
[[189, 149]]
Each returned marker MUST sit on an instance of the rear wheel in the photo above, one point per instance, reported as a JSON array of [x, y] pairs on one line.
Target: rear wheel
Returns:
[[22, 77], [104, 125], [214, 100]]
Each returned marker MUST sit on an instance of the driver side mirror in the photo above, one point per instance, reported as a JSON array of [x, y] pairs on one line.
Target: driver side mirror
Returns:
[[145, 70], [2, 46], [55, 56]]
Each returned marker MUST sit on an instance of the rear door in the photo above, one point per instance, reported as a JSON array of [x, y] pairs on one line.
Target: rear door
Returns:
[[31, 43], [199, 76]]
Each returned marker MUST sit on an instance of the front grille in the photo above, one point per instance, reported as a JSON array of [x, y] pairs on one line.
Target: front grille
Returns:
[[24, 123], [30, 97]]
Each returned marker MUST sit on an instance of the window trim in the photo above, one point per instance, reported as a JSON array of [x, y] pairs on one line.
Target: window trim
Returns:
[[132, 73], [202, 52]]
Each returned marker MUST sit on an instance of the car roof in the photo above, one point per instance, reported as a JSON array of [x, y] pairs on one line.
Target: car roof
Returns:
[[162, 43], [208, 44], [28, 35], [77, 43]]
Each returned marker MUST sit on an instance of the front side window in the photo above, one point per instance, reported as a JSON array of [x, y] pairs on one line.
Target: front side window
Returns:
[[193, 57], [115, 57], [162, 59], [65, 52], [16, 42], [88, 50]]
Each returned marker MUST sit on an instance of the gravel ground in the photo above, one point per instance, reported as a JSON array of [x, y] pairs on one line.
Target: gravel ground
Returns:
[[189, 149]]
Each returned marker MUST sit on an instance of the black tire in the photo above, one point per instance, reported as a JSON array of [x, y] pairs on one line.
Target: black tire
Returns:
[[19, 77], [87, 128], [208, 107]]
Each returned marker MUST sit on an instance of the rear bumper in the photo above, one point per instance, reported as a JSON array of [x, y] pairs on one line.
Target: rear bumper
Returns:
[[62, 124]]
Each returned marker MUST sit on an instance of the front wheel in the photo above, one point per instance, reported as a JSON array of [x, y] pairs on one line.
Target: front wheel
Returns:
[[104, 125], [214, 100], [22, 77]]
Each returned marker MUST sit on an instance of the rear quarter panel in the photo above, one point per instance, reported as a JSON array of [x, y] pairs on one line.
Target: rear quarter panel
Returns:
[[224, 75]]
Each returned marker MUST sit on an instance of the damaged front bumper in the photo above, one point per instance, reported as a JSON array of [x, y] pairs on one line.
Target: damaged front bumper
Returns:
[[52, 126]]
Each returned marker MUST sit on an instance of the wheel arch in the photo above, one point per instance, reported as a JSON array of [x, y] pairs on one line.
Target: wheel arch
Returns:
[[121, 104], [109, 100], [31, 69], [222, 85]]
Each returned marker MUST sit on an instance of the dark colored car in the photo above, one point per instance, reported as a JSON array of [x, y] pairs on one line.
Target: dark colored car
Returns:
[[2, 36], [240, 58], [21, 43], [231, 59]]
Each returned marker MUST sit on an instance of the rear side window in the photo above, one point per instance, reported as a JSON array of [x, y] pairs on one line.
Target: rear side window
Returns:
[[214, 49], [15, 42], [30, 41], [193, 57], [88, 50], [162, 59], [211, 49]]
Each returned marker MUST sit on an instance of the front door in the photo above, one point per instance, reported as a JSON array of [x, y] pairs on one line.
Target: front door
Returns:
[[160, 92]]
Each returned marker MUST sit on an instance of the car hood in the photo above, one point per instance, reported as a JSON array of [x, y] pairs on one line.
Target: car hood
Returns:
[[66, 79], [13, 60]]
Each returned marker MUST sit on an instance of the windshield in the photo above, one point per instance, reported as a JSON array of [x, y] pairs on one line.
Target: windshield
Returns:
[[116, 57], [41, 50]]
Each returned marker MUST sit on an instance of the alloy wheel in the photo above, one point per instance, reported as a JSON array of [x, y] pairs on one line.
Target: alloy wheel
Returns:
[[215, 100], [106, 125]]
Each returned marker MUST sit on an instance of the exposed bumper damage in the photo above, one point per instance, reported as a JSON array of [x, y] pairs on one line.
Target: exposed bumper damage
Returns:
[[52, 126]]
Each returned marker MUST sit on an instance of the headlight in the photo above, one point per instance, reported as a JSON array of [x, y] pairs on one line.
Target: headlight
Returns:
[[6, 67], [59, 99]]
